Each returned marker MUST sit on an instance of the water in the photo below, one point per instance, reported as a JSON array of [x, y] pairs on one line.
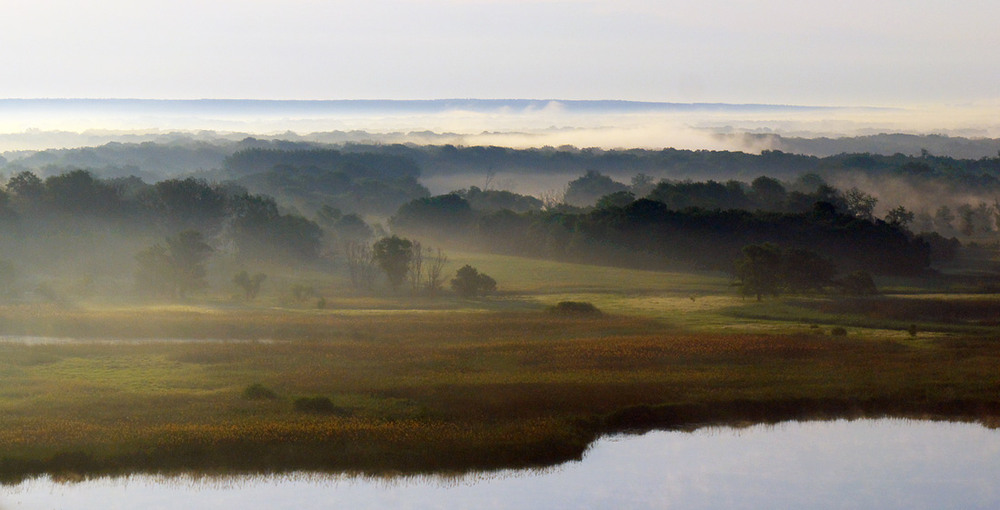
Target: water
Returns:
[[883, 464]]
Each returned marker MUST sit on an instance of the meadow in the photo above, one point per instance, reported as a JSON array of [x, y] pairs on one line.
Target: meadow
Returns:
[[394, 383]]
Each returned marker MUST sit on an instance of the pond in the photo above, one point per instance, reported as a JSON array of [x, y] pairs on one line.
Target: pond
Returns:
[[881, 464]]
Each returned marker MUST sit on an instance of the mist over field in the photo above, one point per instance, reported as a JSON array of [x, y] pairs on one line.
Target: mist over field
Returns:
[[419, 236]]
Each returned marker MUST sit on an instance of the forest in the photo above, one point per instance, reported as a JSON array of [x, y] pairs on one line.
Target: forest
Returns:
[[284, 203]]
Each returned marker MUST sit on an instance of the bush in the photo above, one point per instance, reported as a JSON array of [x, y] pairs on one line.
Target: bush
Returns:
[[257, 391], [470, 283], [838, 331], [318, 405], [574, 308], [858, 283]]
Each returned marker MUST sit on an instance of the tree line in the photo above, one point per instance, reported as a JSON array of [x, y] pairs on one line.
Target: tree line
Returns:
[[648, 233]]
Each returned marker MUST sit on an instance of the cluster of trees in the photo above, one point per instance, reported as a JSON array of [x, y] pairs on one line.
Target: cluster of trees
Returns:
[[496, 200], [648, 233], [406, 262], [364, 183], [767, 269], [250, 225], [401, 260]]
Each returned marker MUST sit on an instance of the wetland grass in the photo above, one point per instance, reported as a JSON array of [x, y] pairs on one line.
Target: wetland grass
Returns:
[[435, 391]]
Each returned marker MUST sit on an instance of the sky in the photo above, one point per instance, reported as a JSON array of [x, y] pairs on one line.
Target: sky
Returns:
[[843, 53]]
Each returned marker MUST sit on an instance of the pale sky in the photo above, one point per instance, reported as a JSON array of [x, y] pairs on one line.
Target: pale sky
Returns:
[[845, 52]]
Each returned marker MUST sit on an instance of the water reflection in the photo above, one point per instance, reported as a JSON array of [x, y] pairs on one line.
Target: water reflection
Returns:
[[839, 464]]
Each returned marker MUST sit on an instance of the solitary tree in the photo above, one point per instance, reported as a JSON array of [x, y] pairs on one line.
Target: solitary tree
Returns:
[[435, 269], [176, 269], [188, 252], [759, 270], [860, 204], [899, 217], [858, 283], [361, 265], [393, 255]]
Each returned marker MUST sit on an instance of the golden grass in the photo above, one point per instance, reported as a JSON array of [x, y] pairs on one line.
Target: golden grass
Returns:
[[419, 388]]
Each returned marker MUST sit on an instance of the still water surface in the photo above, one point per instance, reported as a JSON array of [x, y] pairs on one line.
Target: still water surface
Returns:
[[878, 464]]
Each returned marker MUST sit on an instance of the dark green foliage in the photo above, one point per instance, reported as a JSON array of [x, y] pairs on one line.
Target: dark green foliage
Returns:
[[26, 186], [354, 164], [616, 199], [899, 216], [187, 204], [804, 270], [176, 269], [393, 255], [586, 190], [858, 283], [705, 195], [368, 183], [318, 405], [497, 200], [442, 214], [573, 308], [759, 270], [188, 252], [470, 283], [648, 234], [767, 269], [941, 249], [768, 194], [838, 331], [261, 232], [78, 192], [257, 391]]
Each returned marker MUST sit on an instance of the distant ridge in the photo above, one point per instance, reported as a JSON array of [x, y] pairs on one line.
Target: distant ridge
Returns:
[[266, 106]]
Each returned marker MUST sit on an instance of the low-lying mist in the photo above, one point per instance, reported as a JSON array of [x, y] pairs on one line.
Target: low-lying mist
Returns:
[[41, 124]]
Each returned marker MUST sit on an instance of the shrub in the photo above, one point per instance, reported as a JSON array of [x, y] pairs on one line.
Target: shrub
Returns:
[[838, 331], [470, 283], [574, 308], [318, 405], [858, 283], [257, 391]]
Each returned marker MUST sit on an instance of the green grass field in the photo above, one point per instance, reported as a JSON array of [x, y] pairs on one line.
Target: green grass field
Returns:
[[427, 384]]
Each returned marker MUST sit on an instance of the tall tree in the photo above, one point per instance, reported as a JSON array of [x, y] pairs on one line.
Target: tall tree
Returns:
[[176, 269], [393, 255], [759, 270], [188, 253]]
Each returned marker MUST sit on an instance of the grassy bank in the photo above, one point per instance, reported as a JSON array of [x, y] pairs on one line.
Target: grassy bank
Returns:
[[434, 389]]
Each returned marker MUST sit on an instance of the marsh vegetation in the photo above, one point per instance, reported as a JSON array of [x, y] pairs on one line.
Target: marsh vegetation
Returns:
[[385, 385]]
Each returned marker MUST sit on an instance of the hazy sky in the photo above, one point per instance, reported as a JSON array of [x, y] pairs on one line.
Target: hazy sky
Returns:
[[845, 52]]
